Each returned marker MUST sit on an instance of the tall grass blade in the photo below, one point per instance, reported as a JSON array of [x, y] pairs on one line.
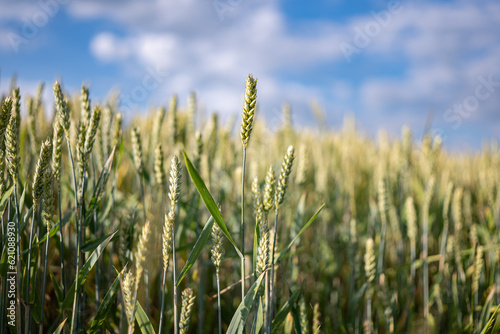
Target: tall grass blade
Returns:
[[143, 320], [238, 322], [85, 270], [309, 222], [196, 251], [209, 201], [489, 324], [60, 327], [280, 317], [5, 199], [105, 306]]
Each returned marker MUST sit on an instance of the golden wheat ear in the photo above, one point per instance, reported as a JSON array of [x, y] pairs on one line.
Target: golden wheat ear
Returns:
[[160, 178]]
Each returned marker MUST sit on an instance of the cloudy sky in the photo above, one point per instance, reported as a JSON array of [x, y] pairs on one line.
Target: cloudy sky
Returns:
[[388, 63]]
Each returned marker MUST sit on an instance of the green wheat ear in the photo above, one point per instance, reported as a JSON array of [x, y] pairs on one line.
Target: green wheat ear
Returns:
[[157, 125], [41, 166], [12, 146], [137, 149], [216, 251], [117, 129], [370, 261], [172, 109], [4, 122], [12, 136], [85, 105], [263, 248], [92, 131], [199, 151], [304, 324], [142, 249], [175, 182], [128, 297], [187, 309], [57, 139], [286, 169], [5, 116], [61, 108], [478, 266], [160, 178], [257, 197], [268, 195], [167, 236], [248, 109], [411, 217], [316, 316], [48, 197]]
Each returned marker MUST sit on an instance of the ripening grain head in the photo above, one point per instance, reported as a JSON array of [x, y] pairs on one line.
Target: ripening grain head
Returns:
[[247, 116], [286, 169]]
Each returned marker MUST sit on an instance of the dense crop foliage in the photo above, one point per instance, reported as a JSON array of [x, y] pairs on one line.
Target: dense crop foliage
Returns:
[[163, 215]]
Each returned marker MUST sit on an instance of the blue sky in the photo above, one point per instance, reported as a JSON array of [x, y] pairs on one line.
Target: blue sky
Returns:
[[388, 63]]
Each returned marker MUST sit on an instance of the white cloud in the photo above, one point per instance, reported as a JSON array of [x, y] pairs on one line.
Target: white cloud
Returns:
[[105, 47], [257, 42], [446, 47]]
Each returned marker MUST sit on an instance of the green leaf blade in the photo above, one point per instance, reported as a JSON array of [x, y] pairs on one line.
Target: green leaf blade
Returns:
[[209, 201], [105, 306], [196, 251], [143, 320], [237, 324], [287, 248], [86, 268]]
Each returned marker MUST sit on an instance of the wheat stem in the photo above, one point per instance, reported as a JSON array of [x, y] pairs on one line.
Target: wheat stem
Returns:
[[242, 227]]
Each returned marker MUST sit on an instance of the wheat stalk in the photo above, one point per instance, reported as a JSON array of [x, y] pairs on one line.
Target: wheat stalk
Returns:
[[370, 271], [11, 150], [247, 118], [429, 191], [286, 169], [216, 258]]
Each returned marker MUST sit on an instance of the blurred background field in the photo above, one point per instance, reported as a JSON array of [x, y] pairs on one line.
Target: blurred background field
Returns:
[[391, 110], [432, 218]]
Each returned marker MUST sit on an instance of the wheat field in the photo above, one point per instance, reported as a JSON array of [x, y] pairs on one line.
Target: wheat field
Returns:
[[163, 216]]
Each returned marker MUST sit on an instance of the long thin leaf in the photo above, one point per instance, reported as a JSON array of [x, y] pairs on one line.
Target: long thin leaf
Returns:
[[57, 288], [24, 222], [209, 201], [237, 324], [256, 237], [105, 306], [296, 320], [93, 244], [143, 320], [99, 189], [287, 248], [490, 323], [5, 199], [198, 247], [259, 323], [60, 327], [87, 267], [485, 312], [23, 197], [55, 227], [285, 309]]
